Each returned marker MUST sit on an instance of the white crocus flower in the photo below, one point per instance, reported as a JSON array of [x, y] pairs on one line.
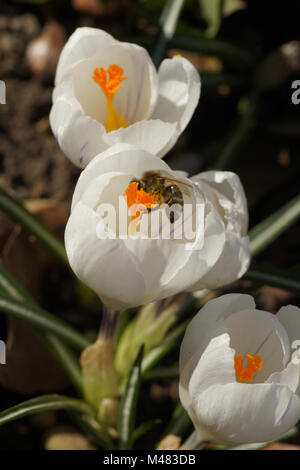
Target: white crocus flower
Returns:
[[239, 381], [107, 91], [131, 259]]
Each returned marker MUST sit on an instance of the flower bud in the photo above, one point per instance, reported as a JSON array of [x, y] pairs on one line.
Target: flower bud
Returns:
[[108, 413], [149, 327], [99, 376]]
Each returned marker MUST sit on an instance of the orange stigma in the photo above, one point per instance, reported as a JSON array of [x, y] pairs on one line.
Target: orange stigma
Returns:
[[245, 374], [138, 199], [110, 81]]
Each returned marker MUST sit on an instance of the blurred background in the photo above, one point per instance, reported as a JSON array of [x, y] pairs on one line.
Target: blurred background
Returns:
[[248, 55]]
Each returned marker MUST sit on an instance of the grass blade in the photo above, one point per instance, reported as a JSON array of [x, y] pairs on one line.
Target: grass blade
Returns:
[[284, 279], [161, 373], [180, 423], [64, 356], [93, 428], [12, 287], [168, 22], [212, 13], [44, 321], [144, 428], [233, 55], [291, 433], [43, 403], [129, 404], [273, 226], [240, 133], [169, 344]]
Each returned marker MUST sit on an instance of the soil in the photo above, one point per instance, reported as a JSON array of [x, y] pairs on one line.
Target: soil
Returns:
[[31, 164]]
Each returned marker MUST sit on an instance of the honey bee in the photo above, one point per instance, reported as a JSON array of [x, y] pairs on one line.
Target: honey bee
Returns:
[[168, 190]]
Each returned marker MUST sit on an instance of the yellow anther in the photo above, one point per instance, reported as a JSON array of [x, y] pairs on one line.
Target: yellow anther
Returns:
[[110, 81], [245, 374]]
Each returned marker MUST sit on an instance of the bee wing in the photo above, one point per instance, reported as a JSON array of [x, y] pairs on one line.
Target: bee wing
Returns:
[[183, 186]]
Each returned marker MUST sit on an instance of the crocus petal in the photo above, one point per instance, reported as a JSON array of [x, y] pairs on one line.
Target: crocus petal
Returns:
[[153, 256], [288, 376], [202, 260], [238, 413], [83, 43], [226, 191], [97, 261], [200, 330], [289, 317], [231, 265], [216, 365], [152, 136], [136, 98], [78, 135], [179, 92]]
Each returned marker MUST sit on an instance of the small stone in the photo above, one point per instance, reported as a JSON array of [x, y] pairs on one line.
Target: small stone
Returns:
[[98, 8], [42, 53], [91, 7], [67, 438], [43, 125], [170, 442]]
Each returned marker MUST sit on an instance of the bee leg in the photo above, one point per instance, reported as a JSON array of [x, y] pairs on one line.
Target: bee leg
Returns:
[[140, 185]]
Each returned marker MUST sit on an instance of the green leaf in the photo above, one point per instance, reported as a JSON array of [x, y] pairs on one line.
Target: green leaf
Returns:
[[168, 22], [211, 81], [44, 321], [93, 428], [231, 6], [12, 288], [238, 137], [66, 359], [211, 12], [160, 373], [43, 403], [180, 423], [32, 225], [282, 278], [263, 234], [144, 428], [170, 343], [129, 404], [190, 39], [291, 433], [64, 356]]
